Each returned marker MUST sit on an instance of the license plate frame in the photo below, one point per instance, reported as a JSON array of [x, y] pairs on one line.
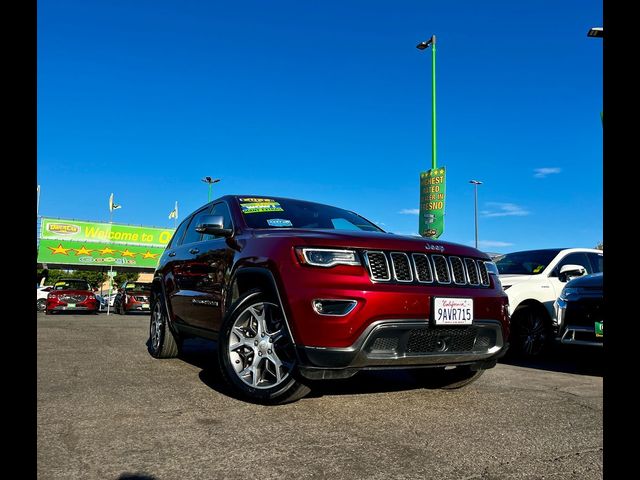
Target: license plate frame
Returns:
[[452, 311]]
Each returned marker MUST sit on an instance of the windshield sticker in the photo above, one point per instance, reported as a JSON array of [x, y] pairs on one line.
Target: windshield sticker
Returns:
[[257, 200], [279, 222], [261, 207], [538, 269], [60, 284]]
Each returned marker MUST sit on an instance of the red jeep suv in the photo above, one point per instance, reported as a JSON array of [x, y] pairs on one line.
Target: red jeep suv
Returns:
[[295, 291]]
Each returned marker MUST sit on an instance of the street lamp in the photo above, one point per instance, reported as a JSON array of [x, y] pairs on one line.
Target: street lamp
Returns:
[[595, 32], [422, 46], [210, 181], [475, 186]]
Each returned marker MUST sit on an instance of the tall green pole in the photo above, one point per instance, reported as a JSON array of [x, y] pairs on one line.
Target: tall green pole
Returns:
[[209, 194], [433, 102]]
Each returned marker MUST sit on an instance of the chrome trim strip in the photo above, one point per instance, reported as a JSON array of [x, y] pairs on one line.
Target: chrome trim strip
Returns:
[[415, 266], [393, 266]]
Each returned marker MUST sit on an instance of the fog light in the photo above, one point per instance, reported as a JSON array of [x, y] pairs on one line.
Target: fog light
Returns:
[[337, 308]]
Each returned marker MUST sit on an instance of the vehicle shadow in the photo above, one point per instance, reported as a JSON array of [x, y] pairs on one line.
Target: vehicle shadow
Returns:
[[202, 354], [580, 360]]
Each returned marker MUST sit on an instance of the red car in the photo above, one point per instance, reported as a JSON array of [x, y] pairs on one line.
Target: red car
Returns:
[[296, 291], [73, 295], [132, 297]]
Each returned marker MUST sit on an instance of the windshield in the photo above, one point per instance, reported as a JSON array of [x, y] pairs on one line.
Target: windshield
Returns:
[[71, 285], [532, 262], [286, 213]]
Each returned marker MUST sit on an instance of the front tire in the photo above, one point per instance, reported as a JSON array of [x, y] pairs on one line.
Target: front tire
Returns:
[[530, 332], [256, 353], [162, 342]]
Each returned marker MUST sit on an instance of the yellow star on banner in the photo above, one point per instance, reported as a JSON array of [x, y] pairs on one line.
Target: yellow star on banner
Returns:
[[82, 251], [148, 254], [106, 250], [59, 249], [127, 253], [441, 171]]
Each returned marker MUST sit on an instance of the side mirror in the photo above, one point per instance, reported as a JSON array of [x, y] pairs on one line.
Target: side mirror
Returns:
[[571, 271], [213, 225]]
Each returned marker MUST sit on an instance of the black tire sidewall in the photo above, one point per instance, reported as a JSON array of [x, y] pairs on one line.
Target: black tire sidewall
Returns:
[[163, 329], [271, 395]]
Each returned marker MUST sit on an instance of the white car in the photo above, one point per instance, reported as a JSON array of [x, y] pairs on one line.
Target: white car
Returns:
[[533, 280], [41, 297]]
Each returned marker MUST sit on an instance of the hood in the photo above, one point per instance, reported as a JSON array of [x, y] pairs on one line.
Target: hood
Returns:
[[509, 279], [587, 281], [369, 240]]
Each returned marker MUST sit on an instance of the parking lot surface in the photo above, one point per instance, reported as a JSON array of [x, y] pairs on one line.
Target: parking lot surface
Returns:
[[108, 410]]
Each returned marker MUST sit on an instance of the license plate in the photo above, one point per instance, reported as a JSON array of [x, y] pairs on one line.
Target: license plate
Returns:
[[71, 305], [453, 311], [145, 305], [599, 329]]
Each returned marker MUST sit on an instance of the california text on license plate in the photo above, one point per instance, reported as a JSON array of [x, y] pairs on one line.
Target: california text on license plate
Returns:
[[453, 311]]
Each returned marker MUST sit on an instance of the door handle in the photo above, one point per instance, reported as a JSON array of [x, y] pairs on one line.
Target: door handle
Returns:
[[194, 251], [172, 254]]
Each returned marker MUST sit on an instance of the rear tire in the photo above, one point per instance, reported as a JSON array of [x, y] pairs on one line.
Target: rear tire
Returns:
[[256, 353], [162, 341], [41, 304]]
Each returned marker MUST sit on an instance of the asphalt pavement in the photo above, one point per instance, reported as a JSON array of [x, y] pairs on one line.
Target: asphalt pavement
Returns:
[[108, 410]]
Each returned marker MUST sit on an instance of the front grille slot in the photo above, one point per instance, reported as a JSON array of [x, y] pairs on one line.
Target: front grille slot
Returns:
[[73, 298], [457, 271], [441, 268], [484, 275], [424, 274], [401, 267], [450, 340], [472, 271], [378, 266]]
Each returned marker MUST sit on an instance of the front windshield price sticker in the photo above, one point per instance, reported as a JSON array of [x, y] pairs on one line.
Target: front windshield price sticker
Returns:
[[261, 207], [453, 311]]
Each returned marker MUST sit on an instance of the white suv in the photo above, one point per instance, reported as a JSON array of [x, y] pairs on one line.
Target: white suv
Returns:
[[533, 279]]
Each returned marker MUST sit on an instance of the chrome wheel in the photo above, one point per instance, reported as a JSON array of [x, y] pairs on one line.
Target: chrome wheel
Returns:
[[258, 343], [156, 326], [41, 304], [532, 334]]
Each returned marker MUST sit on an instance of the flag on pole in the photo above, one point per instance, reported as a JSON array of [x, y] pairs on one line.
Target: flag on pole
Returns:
[[113, 206], [174, 212]]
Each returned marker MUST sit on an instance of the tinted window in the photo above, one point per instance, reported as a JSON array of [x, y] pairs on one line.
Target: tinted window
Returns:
[[191, 235], [72, 285], [575, 259], [286, 213], [597, 260], [222, 210], [531, 262], [177, 236]]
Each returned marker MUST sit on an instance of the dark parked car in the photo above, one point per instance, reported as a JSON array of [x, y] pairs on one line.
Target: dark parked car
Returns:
[[71, 295], [295, 291], [580, 312], [132, 297]]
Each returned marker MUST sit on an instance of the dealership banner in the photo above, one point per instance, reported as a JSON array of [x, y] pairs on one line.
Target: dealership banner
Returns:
[[71, 252], [108, 233], [432, 199]]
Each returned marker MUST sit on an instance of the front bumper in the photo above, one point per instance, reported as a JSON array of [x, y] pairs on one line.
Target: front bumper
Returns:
[[77, 308], [405, 344]]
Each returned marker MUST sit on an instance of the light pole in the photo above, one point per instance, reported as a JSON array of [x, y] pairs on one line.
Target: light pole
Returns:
[[423, 46], [210, 181], [475, 186], [599, 33]]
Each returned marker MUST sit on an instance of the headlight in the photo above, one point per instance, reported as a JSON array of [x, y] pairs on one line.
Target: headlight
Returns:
[[569, 292], [492, 268], [327, 257]]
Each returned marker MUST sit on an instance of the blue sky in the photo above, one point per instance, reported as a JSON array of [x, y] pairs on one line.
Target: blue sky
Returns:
[[330, 102]]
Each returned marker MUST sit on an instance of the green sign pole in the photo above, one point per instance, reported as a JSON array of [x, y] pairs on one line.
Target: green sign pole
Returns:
[[433, 102]]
